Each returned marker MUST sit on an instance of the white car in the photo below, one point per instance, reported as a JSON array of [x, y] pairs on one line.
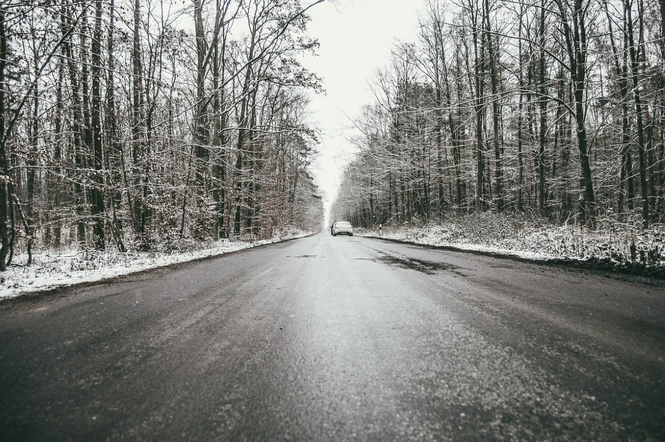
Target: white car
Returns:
[[342, 228]]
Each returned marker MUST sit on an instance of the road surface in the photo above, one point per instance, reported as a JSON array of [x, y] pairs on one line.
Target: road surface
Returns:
[[334, 339]]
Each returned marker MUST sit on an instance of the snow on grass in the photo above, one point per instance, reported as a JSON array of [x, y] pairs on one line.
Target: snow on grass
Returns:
[[52, 269], [613, 245]]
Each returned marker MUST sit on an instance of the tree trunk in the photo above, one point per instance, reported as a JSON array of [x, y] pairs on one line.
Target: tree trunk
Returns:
[[114, 154], [477, 83], [97, 208], [4, 179], [576, 43], [493, 57], [77, 120], [641, 147], [139, 210], [542, 101]]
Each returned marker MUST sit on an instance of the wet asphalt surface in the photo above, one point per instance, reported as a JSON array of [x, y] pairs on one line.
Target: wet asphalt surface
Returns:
[[334, 339]]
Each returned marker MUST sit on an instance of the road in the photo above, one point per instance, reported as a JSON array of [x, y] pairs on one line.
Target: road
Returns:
[[334, 339]]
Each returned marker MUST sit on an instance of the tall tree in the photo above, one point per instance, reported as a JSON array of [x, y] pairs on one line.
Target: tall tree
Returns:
[[97, 207], [573, 19], [4, 178], [634, 53]]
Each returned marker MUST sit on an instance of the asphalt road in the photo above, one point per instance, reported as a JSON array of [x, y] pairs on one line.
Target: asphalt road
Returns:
[[334, 339]]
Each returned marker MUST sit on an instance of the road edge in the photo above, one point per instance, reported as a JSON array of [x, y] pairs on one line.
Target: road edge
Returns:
[[59, 291], [604, 267]]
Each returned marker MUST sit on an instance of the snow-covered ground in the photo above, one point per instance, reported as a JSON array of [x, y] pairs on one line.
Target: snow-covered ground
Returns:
[[624, 248], [615, 247], [56, 269]]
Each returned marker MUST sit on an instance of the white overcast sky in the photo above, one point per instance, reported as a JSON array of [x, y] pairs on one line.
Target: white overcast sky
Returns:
[[356, 38]]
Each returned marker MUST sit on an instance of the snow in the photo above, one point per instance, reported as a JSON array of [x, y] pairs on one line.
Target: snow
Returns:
[[616, 247], [52, 269], [613, 247]]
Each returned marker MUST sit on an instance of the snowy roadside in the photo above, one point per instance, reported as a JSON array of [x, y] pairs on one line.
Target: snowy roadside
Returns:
[[624, 250], [50, 269], [429, 238]]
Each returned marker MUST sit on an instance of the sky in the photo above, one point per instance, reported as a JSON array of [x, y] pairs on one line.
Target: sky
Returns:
[[356, 38]]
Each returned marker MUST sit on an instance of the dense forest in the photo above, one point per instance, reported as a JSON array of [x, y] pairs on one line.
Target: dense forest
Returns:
[[551, 108], [133, 124]]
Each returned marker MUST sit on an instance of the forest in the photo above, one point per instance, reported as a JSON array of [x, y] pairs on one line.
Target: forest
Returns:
[[137, 124], [551, 110]]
